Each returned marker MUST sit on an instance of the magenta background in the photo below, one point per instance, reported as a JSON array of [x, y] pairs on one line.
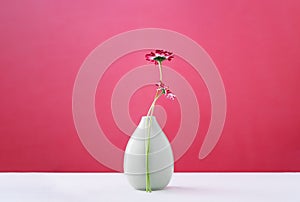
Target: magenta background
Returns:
[[255, 45]]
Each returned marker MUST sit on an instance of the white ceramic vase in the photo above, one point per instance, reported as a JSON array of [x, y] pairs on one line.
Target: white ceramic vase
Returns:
[[161, 160]]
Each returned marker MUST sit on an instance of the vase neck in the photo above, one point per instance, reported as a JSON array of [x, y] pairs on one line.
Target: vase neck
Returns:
[[146, 120]]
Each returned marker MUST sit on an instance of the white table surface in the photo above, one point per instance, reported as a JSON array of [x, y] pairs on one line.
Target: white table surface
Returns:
[[186, 187]]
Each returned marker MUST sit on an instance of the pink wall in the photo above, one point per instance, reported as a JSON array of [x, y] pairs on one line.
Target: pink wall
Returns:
[[255, 45]]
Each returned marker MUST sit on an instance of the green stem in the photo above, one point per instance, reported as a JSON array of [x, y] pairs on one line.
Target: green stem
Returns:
[[150, 113], [160, 71], [151, 109], [148, 185], [149, 116]]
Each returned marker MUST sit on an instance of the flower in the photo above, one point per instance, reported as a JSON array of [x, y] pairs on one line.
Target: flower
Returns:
[[159, 55], [165, 90], [160, 85], [170, 95]]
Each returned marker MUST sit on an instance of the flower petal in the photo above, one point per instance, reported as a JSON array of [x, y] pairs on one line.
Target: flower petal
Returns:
[[159, 56]]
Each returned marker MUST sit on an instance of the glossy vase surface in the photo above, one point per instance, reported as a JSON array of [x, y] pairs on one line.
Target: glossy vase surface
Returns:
[[160, 158]]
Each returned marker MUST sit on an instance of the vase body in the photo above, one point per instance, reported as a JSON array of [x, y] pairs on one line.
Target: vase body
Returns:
[[160, 158]]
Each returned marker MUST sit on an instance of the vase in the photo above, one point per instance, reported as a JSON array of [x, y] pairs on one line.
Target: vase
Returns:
[[160, 158]]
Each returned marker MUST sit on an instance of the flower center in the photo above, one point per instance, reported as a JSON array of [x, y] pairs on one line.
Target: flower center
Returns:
[[159, 58]]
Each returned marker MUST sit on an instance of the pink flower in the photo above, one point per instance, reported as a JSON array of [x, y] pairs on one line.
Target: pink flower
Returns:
[[170, 95], [165, 90], [160, 85], [159, 55]]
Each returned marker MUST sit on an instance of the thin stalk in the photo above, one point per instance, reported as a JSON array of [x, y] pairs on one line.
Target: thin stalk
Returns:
[[150, 113], [153, 103], [160, 71], [149, 116]]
